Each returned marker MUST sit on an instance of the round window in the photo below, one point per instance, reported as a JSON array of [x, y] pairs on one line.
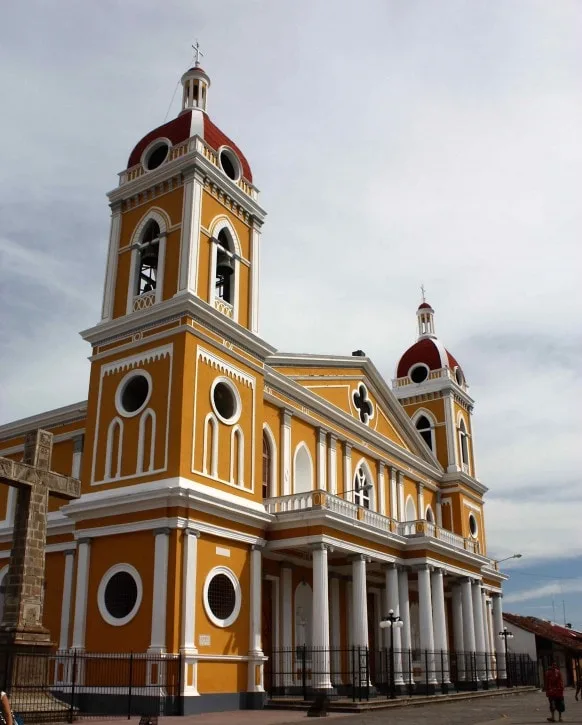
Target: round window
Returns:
[[156, 156], [222, 597], [226, 401], [473, 525], [120, 594], [133, 393], [418, 374], [230, 164]]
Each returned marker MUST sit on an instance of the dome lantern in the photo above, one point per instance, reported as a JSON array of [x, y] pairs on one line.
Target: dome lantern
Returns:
[[195, 85]]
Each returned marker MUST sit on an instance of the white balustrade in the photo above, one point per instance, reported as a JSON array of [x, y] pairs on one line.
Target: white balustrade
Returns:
[[144, 301]]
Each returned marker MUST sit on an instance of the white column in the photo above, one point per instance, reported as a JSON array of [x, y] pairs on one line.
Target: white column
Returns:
[[188, 635], [420, 500], [348, 484], [332, 465], [112, 257], [161, 551], [66, 605], [335, 620], [320, 629], [79, 626], [392, 601], [78, 442], [382, 489], [439, 510], [360, 603], [451, 433], [489, 669], [439, 619], [400, 487], [190, 236], [256, 659], [458, 630], [426, 623], [321, 459], [403, 598], [499, 644], [286, 625], [255, 276], [393, 494], [479, 631], [286, 453], [468, 628]]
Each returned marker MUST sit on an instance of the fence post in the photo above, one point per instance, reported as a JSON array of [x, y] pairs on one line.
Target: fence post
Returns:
[[426, 669], [129, 692], [73, 682], [353, 674], [443, 686], [486, 684]]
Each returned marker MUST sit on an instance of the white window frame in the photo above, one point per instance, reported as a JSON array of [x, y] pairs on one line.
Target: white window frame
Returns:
[[163, 222], [220, 223], [223, 623], [109, 574]]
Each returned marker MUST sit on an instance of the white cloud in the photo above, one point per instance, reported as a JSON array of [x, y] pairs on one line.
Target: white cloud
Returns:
[[539, 592]]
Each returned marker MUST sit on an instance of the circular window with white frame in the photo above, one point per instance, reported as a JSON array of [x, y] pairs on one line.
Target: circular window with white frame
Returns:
[[155, 154], [119, 595], [229, 163], [225, 400], [133, 393], [473, 528], [418, 373], [222, 596]]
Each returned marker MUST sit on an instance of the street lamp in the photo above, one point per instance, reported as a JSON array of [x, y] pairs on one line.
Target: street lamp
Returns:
[[507, 558], [505, 635], [391, 621]]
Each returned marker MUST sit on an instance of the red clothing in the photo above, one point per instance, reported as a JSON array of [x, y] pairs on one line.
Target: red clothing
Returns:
[[554, 684]]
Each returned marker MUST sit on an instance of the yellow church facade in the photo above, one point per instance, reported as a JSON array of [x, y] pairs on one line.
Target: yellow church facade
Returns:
[[237, 502]]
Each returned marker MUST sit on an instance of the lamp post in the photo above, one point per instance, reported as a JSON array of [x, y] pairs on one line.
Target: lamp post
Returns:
[[391, 621], [507, 558], [505, 635]]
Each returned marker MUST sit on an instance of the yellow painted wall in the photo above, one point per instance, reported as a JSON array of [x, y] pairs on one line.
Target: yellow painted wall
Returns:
[[54, 576]]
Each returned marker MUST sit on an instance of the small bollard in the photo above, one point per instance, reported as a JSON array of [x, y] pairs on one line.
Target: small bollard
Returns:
[[319, 706], [148, 720]]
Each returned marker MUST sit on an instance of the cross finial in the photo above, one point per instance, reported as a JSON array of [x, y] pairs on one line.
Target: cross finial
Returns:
[[197, 53], [423, 292]]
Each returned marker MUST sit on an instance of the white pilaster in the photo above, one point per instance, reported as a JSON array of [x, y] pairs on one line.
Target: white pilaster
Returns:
[[66, 605], [78, 442], [426, 622], [403, 598], [458, 629], [451, 433], [188, 635], [80, 621], [479, 631], [286, 625], [112, 257], [255, 277], [360, 602], [256, 658], [392, 601], [440, 624], [321, 459], [420, 500], [497, 606], [286, 453], [332, 465], [161, 552], [335, 620], [468, 627], [439, 510], [382, 489], [320, 630], [393, 494], [348, 483], [400, 486], [190, 237]]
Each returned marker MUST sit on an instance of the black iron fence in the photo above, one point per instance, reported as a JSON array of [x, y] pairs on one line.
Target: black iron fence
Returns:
[[66, 686], [360, 673]]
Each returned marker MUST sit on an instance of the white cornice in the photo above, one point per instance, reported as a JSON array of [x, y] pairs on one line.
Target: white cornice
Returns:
[[50, 419], [460, 477], [430, 386], [183, 303]]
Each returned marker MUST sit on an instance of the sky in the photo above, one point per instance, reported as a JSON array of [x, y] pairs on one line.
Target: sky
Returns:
[[394, 143]]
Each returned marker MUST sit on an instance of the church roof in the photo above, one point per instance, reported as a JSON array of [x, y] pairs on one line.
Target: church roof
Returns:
[[554, 632], [428, 350], [183, 127]]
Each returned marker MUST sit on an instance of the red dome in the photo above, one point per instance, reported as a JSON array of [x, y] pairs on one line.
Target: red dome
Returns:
[[424, 306], [187, 124], [429, 351]]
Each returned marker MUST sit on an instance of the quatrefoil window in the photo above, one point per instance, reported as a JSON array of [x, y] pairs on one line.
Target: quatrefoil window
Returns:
[[363, 403]]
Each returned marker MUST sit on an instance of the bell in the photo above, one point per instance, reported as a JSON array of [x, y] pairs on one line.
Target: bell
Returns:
[[224, 264], [149, 258]]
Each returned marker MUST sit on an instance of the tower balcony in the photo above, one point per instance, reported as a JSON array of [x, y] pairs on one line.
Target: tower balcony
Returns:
[[287, 507]]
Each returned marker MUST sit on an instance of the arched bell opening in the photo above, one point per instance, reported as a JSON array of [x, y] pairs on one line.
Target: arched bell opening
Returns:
[[149, 257], [225, 267]]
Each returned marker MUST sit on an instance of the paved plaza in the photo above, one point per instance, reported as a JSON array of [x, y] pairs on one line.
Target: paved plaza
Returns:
[[522, 709]]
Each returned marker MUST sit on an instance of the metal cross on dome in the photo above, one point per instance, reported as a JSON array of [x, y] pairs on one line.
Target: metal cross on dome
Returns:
[[197, 53], [423, 291], [362, 403]]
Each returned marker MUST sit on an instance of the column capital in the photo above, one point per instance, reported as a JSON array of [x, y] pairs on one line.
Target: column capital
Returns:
[[85, 540], [419, 486], [257, 546], [69, 552], [332, 438], [287, 415], [390, 565], [321, 546], [162, 530], [347, 447], [360, 557], [191, 532]]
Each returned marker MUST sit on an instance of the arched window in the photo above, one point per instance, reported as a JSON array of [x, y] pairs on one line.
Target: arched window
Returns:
[[224, 281], [429, 515], [362, 488], [464, 444], [424, 427], [410, 510], [149, 254], [267, 462], [303, 470]]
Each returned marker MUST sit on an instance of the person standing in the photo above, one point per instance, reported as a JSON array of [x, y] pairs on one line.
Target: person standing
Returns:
[[6, 710], [554, 686]]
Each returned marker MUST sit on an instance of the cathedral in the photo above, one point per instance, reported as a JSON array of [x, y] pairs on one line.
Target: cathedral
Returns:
[[240, 503]]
